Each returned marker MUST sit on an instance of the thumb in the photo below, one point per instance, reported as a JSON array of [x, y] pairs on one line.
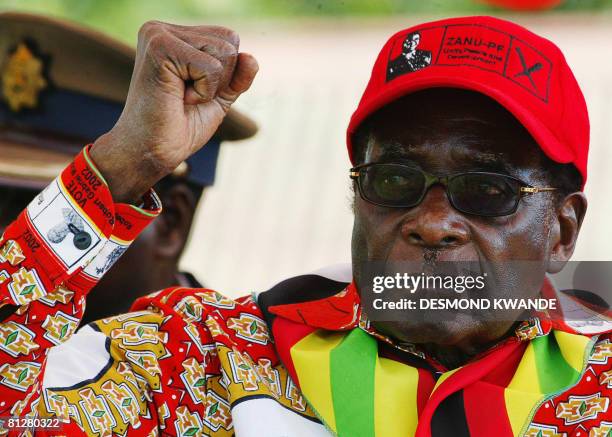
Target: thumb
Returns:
[[244, 74]]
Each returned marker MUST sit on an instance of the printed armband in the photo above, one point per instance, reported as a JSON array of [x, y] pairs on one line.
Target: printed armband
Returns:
[[72, 228], [129, 222]]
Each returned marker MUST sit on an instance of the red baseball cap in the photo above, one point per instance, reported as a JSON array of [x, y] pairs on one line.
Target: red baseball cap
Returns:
[[525, 73]]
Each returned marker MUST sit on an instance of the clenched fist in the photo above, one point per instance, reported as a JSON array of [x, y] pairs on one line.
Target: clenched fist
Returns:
[[185, 80]]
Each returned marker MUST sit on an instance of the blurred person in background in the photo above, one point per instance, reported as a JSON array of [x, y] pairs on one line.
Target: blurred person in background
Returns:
[[64, 85]]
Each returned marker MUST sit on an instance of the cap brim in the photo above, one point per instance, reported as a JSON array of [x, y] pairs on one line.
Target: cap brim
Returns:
[[29, 167], [237, 126], [550, 144]]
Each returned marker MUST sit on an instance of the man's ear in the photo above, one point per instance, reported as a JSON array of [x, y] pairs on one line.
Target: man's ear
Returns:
[[564, 235], [174, 223]]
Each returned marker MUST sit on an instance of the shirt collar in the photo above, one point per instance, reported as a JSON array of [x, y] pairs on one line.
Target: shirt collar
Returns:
[[342, 312]]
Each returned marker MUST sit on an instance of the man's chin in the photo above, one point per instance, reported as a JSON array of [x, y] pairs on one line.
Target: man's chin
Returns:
[[447, 333]]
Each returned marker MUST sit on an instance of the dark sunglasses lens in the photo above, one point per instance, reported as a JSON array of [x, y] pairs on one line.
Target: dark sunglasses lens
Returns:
[[392, 185], [484, 194]]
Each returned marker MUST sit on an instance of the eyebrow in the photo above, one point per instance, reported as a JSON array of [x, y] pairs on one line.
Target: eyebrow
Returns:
[[395, 150], [486, 161]]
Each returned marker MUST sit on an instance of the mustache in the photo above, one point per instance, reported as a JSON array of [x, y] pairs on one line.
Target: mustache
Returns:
[[430, 259], [431, 265]]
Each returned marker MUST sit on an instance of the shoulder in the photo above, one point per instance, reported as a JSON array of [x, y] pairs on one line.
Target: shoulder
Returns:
[[312, 286], [208, 319], [196, 305], [203, 307]]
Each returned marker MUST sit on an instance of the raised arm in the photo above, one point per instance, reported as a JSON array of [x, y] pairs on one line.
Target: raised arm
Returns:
[[184, 82]]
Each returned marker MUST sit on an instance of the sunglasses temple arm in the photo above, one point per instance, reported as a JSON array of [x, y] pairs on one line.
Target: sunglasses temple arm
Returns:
[[534, 190]]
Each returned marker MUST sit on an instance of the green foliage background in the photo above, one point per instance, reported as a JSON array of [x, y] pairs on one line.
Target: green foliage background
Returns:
[[121, 18]]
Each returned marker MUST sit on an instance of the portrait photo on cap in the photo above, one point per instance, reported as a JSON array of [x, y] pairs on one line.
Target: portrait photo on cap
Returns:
[[306, 219]]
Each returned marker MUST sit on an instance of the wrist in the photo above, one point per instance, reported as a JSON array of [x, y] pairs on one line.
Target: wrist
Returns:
[[129, 174]]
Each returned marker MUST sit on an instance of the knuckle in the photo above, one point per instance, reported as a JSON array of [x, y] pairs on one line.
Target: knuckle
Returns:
[[228, 34], [223, 54], [217, 48], [214, 66], [148, 28], [156, 41], [233, 36], [151, 28], [226, 49], [214, 72]]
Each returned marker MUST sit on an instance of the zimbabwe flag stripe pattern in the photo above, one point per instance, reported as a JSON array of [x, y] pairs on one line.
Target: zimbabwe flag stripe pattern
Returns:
[[395, 395], [311, 358], [553, 371], [352, 370]]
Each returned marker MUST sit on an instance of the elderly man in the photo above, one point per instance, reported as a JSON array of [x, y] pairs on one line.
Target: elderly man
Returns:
[[478, 157]]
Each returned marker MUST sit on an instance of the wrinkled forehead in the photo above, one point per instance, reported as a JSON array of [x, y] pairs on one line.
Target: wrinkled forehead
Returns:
[[454, 126]]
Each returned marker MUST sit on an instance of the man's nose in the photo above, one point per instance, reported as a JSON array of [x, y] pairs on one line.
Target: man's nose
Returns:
[[434, 223]]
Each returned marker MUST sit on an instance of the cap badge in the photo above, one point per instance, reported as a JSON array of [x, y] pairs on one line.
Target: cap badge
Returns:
[[22, 79], [411, 59]]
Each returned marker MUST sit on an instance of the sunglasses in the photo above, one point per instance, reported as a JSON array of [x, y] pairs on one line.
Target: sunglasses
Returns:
[[477, 193]]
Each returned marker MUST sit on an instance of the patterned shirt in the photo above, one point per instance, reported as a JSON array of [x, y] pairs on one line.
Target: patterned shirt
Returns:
[[300, 359]]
